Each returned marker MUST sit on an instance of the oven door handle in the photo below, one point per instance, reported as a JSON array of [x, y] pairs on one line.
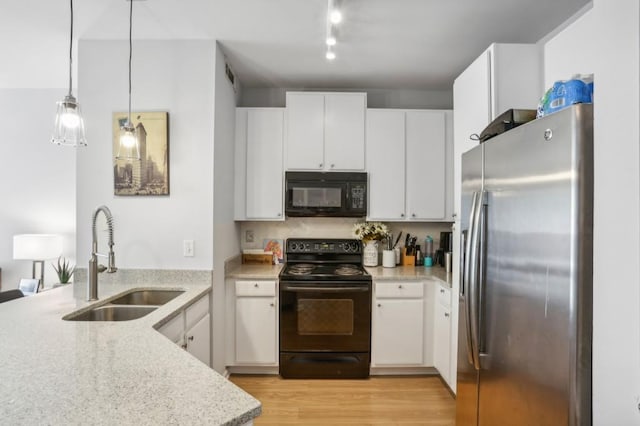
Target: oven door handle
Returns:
[[324, 289]]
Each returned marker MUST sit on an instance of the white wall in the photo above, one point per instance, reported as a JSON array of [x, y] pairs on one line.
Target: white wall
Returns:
[[376, 98], [37, 179], [173, 76], [605, 41], [225, 230]]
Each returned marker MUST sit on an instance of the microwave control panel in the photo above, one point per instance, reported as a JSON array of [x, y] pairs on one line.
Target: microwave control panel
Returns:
[[358, 195]]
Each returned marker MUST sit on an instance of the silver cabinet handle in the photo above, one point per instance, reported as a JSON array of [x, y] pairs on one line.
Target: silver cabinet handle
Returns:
[[413, 215], [320, 165], [379, 305], [401, 214], [279, 214], [442, 290], [190, 338], [399, 285], [446, 314], [272, 304], [256, 285], [333, 165]]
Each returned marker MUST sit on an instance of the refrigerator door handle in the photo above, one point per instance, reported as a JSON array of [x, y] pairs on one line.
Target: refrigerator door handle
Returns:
[[473, 248], [463, 291], [482, 240], [466, 286]]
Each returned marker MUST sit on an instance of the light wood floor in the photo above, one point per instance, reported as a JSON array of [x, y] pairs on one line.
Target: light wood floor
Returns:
[[376, 401]]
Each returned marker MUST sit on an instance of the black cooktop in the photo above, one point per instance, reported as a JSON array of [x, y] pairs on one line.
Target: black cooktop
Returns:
[[323, 259]]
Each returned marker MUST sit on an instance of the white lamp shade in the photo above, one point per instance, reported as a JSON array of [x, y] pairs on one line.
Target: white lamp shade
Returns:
[[36, 246]]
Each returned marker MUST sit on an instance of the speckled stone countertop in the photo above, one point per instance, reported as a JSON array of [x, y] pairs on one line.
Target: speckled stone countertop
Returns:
[[60, 372], [235, 269], [398, 273]]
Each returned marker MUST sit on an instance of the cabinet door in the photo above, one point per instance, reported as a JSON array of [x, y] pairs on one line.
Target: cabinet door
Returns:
[[442, 341], [198, 339], [256, 330], [264, 177], [305, 131], [398, 332], [240, 163], [471, 112], [425, 139], [385, 164], [344, 124]]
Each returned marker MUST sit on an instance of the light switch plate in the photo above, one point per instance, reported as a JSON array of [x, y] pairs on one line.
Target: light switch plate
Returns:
[[248, 236], [188, 248]]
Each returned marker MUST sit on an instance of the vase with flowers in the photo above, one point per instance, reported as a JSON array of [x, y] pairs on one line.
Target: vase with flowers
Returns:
[[370, 233]]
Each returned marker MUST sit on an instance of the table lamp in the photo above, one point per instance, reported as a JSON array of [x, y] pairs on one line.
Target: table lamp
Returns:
[[37, 248]]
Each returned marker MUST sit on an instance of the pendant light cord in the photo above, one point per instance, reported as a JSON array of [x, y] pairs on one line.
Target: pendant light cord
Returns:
[[130, 51], [71, 51]]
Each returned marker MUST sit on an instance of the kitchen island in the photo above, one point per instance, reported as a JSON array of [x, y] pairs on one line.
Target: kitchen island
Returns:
[[76, 372]]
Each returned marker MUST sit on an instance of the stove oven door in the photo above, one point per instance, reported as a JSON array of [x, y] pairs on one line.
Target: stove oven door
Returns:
[[325, 329]]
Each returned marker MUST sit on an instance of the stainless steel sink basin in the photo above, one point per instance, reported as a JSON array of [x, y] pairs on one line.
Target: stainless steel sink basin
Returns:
[[112, 313], [147, 297]]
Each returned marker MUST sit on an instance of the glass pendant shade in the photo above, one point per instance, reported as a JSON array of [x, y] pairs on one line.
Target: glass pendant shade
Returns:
[[128, 148], [69, 125]]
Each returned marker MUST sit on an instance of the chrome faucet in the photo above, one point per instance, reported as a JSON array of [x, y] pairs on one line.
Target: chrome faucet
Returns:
[[94, 267]]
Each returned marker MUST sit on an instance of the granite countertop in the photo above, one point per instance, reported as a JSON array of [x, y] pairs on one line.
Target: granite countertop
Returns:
[[254, 271], [73, 372], [380, 273]]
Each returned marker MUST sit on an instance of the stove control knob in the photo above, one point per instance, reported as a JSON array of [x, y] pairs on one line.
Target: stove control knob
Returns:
[[293, 246]]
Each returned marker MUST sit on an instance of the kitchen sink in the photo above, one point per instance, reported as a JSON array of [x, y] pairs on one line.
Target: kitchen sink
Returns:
[[147, 297], [112, 313], [129, 306]]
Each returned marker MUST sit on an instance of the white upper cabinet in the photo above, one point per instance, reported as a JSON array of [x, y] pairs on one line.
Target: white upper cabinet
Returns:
[[325, 131], [409, 161], [385, 163], [505, 76], [426, 164], [259, 190]]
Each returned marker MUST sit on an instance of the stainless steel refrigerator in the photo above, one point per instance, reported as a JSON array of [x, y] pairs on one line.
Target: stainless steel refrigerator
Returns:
[[525, 312]]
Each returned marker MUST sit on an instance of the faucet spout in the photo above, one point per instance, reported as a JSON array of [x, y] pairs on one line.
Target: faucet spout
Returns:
[[94, 267]]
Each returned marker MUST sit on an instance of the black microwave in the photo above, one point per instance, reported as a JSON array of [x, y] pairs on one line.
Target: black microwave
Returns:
[[325, 194]]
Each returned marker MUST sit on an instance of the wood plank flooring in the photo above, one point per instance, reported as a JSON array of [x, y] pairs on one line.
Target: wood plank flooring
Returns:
[[409, 400]]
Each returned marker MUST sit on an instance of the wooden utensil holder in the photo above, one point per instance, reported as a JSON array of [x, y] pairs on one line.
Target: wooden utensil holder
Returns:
[[408, 260]]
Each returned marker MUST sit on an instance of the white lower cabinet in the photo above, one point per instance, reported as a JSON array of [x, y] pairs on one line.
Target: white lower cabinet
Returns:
[[442, 333], [400, 331], [256, 323], [191, 329]]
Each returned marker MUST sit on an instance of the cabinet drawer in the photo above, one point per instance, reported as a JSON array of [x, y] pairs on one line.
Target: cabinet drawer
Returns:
[[400, 289], [444, 295], [255, 288], [196, 311]]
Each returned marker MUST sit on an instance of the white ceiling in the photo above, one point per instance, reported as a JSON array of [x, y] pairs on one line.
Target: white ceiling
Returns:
[[384, 44]]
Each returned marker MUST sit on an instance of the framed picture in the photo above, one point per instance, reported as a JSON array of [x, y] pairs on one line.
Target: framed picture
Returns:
[[150, 174]]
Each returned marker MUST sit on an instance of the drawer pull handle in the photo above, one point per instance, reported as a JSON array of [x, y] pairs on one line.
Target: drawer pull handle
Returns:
[[400, 286], [446, 314], [379, 305], [272, 304], [190, 338], [442, 290], [255, 285]]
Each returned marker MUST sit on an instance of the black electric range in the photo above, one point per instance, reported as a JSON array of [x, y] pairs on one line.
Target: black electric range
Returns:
[[325, 310]]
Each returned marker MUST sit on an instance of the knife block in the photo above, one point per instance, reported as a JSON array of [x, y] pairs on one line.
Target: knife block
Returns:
[[408, 260]]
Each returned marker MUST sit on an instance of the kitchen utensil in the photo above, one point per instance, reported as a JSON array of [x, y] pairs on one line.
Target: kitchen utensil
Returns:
[[397, 239]]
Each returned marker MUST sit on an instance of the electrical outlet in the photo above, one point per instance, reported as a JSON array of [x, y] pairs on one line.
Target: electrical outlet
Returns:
[[248, 236], [188, 248]]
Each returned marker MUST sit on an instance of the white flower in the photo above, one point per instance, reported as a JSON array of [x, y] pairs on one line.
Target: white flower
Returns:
[[370, 231]]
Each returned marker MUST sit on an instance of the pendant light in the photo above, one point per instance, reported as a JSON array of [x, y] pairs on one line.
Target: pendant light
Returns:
[[69, 125], [129, 148]]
